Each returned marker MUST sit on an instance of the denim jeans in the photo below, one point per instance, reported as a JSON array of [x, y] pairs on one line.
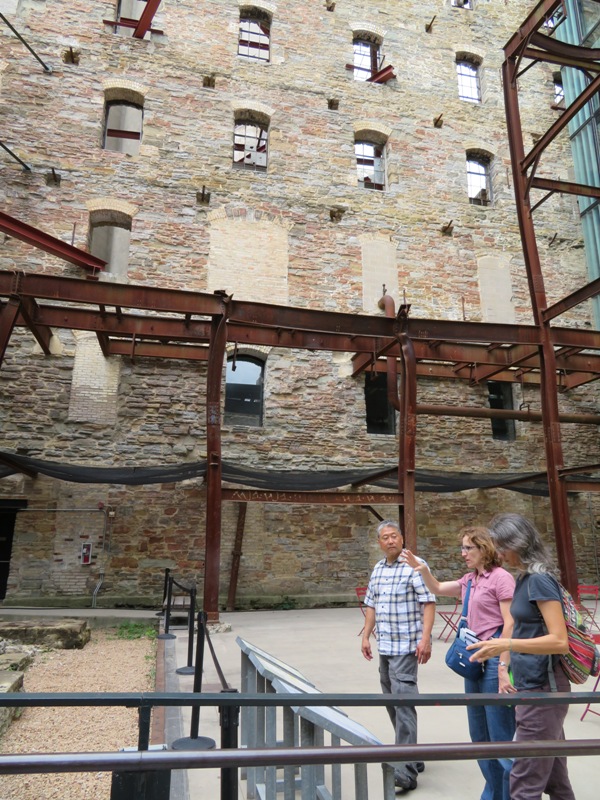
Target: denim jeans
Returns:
[[491, 724]]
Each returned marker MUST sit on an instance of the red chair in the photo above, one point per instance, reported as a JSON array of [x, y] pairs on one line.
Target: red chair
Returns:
[[587, 603], [596, 638], [451, 619]]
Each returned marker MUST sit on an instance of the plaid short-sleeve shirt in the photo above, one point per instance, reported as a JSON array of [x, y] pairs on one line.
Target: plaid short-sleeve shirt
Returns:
[[397, 593]]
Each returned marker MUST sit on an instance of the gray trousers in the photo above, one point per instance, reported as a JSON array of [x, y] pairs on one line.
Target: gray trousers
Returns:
[[398, 675]]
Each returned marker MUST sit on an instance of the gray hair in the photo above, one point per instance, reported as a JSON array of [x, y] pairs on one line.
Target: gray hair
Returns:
[[519, 535], [389, 523]]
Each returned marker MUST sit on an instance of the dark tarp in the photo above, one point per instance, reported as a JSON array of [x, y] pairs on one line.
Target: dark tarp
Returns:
[[276, 480]]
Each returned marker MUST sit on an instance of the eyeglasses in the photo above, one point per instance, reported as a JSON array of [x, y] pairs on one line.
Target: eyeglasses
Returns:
[[466, 548]]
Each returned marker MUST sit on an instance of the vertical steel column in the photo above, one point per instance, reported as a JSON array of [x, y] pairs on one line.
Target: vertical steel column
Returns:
[[387, 303], [408, 430], [8, 318], [548, 383], [236, 556], [212, 560]]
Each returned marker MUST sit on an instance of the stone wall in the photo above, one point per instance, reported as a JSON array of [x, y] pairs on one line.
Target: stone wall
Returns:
[[302, 232]]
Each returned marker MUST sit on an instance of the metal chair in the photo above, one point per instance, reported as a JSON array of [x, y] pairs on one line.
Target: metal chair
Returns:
[[587, 603], [451, 619], [596, 638]]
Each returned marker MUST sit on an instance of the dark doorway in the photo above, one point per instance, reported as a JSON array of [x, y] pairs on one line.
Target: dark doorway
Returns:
[[8, 515]]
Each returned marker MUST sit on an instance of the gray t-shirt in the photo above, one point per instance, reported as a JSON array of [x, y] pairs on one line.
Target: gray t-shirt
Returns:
[[531, 671]]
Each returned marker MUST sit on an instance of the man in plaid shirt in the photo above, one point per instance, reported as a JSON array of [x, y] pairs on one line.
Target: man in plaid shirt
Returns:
[[399, 604]]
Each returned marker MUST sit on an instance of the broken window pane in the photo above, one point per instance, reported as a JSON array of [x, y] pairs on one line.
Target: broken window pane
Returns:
[[370, 165], [367, 59], [250, 143], [253, 40], [478, 181]]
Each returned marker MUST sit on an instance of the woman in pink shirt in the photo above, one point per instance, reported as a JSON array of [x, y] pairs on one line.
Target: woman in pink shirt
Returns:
[[488, 615]]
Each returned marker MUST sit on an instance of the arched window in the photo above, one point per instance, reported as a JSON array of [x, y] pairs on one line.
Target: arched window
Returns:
[[110, 234], [251, 141], [244, 391], [370, 164], [254, 33], [123, 127], [367, 55], [469, 87], [479, 184]]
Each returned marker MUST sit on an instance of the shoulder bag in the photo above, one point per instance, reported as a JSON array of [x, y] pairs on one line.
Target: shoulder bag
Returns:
[[457, 656]]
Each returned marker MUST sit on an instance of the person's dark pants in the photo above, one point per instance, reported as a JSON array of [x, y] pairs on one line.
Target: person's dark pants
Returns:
[[398, 675], [532, 777]]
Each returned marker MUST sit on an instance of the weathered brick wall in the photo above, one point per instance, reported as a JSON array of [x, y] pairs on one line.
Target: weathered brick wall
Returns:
[[314, 410]]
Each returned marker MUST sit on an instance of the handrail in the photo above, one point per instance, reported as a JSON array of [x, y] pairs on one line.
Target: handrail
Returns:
[[349, 754], [136, 699]]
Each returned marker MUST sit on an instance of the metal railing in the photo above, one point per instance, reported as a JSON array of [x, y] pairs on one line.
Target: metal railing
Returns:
[[229, 757]]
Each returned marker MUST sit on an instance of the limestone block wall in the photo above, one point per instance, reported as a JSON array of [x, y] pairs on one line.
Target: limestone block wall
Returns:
[[302, 232]]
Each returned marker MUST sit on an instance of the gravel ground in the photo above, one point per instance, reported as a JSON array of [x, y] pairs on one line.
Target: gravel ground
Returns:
[[106, 664]]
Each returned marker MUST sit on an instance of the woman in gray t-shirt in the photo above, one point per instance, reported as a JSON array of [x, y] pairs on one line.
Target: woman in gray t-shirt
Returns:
[[539, 636]]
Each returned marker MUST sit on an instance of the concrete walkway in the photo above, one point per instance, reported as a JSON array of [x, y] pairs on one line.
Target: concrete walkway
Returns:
[[324, 645]]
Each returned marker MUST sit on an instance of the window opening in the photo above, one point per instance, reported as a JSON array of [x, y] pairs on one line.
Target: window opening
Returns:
[[250, 144], [367, 59], [254, 35], [478, 180], [370, 165], [123, 127], [8, 516], [380, 414], [468, 81], [500, 396], [128, 14], [559, 92], [110, 242], [244, 391]]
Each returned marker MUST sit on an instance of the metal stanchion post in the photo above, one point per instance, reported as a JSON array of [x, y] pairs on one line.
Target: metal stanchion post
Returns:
[[230, 720], [166, 634], [189, 668], [193, 741]]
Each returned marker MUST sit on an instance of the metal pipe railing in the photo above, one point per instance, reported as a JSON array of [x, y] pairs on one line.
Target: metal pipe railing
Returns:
[[279, 757], [136, 699]]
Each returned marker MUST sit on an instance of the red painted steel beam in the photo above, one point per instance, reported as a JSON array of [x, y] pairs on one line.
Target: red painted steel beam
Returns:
[[548, 384], [312, 498], [214, 469], [184, 352], [585, 56], [571, 111], [41, 333], [49, 244], [528, 28], [408, 432], [574, 299], [565, 187], [560, 60], [145, 21], [8, 318], [424, 409]]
